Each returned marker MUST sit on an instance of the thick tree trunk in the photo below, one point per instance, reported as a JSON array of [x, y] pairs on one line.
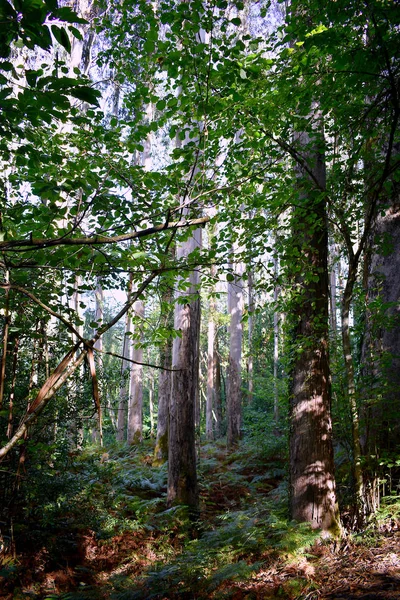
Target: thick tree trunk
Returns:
[[135, 410], [381, 353], [182, 475], [234, 387], [312, 480]]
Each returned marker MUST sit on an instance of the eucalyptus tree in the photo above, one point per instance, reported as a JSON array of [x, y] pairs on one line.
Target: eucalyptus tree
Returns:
[[135, 403], [165, 378], [380, 350], [234, 378], [364, 69], [125, 375]]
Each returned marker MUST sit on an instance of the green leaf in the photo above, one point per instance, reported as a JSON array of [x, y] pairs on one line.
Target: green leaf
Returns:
[[62, 37], [149, 46], [68, 15], [86, 94], [75, 32]]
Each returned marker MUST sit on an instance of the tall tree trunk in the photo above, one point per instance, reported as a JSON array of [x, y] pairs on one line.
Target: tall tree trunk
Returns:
[[381, 350], [250, 323], [312, 480], [211, 356], [151, 404], [97, 433], [217, 392], [7, 318], [164, 385], [360, 513], [234, 387], [276, 340], [333, 291], [135, 410], [12, 388], [125, 374], [182, 474]]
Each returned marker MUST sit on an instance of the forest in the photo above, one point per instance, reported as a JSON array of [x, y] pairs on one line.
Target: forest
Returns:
[[199, 299]]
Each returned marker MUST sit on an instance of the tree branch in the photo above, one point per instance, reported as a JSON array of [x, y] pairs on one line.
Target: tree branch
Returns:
[[95, 240]]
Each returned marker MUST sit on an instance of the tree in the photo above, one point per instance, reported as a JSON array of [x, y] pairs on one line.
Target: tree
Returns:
[[125, 377], [182, 472], [234, 385], [312, 479], [164, 381], [135, 404], [381, 349]]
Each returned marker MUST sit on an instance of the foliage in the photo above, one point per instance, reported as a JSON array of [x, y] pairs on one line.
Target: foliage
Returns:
[[77, 204]]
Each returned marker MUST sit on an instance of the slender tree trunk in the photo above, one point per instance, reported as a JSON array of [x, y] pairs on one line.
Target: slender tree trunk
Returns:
[[234, 387], [250, 323], [333, 291], [125, 382], [164, 386], [210, 401], [351, 390], [151, 404], [125, 375], [97, 434], [135, 410], [217, 392], [276, 340], [6, 328], [182, 474], [12, 388], [312, 480]]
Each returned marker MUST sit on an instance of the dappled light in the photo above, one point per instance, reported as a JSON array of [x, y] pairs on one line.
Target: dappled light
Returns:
[[199, 300]]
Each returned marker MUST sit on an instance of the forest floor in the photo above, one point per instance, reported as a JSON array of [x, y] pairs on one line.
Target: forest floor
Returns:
[[98, 529]]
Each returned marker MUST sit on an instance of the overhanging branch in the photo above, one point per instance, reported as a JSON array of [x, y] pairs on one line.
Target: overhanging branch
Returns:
[[95, 240]]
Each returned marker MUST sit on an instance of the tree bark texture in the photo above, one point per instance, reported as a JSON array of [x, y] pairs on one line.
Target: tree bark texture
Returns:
[[312, 480], [234, 387], [276, 341], [125, 381], [381, 350], [210, 402], [182, 475], [135, 410], [250, 323], [164, 390]]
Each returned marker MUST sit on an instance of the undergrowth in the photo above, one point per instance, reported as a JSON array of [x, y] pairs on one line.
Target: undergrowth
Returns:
[[100, 528]]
